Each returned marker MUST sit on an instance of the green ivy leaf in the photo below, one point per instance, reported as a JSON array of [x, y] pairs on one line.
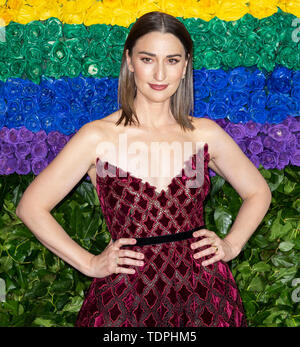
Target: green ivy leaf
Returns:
[[286, 246], [223, 220]]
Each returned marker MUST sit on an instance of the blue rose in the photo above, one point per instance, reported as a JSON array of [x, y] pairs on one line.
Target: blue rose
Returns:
[[238, 78], [13, 89], [217, 109], [217, 79], [200, 108], [257, 80], [238, 114], [280, 81], [257, 99], [278, 114], [237, 97], [64, 124], [77, 84], [32, 122]]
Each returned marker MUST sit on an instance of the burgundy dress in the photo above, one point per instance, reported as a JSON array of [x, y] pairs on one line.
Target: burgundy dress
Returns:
[[172, 289]]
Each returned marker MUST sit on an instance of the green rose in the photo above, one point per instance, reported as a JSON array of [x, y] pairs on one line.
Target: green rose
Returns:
[[98, 49], [99, 32], [108, 68], [232, 43], [287, 57], [53, 29], [116, 53], [267, 60], [231, 59], [34, 32], [4, 71], [32, 53], [253, 42], [91, 67], [75, 30], [217, 42], [250, 58], [244, 26], [117, 36], [217, 26], [17, 67], [53, 69], [73, 68], [268, 36], [3, 50], [15, 49], [211, 59], [195, 25], [201, 40], [33, 71], [78, 47], [14, 31], [60, 53]]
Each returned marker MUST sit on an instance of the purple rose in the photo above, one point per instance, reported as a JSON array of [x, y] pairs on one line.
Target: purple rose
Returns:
[[22, 149], [255, 160], [268, 142], [3, 134], [38, 165], [53, 138], [295, 158], [279, 132], [298, 140], [265, 128], [268, 159], [243, 144], [251, 128], [7, 149], [283, 160], [9, 165], [40, 136], [255, 146], [23, 166], [279, 146], [39, 149], [236, 131], [25, 135], [12, 136], [293, 124]]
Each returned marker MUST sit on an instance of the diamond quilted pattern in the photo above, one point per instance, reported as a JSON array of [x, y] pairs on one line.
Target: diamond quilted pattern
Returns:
[[172, 289]]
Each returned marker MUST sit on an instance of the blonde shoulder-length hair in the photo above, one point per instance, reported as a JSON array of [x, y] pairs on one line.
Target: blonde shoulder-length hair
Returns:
[[183, 100]]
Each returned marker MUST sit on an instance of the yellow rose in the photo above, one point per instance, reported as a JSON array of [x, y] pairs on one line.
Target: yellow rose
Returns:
[[229, 10], [26, 14], [6, 16], [293, 7], [122, 17], [263, 8], [96, 14], [204, 9], [145, 7]]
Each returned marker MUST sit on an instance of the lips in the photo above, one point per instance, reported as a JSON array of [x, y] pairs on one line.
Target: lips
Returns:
[[158, 86]]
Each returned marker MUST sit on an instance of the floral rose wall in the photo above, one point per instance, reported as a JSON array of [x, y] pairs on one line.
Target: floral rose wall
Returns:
[[59, 66]]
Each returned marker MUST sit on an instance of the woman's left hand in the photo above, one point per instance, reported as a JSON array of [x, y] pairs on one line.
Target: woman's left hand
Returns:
[[220, 248]]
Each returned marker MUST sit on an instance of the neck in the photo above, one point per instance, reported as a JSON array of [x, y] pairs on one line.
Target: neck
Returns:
[[154, 115]]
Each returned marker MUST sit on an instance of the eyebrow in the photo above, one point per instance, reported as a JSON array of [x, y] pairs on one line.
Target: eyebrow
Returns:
[[154, 55]]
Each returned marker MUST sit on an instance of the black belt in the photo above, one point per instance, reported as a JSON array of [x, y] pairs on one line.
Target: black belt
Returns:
[[153, 240]]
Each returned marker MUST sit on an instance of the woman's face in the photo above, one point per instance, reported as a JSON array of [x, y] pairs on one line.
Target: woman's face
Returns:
[[158, 63]]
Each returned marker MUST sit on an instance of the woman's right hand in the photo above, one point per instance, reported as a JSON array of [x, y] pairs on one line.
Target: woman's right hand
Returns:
[[110, 261]]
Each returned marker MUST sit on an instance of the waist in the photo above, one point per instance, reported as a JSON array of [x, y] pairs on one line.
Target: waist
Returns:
[[153, 240]]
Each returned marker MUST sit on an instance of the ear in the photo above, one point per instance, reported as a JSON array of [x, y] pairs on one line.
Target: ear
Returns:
[[128, 60]]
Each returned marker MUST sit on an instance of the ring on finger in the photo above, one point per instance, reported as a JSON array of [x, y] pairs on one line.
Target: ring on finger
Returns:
[[215, 247]]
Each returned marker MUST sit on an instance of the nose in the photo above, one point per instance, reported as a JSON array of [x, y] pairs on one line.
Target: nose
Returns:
[[160, 71]]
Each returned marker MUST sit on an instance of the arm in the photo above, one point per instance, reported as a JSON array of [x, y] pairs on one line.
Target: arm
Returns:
[[229, 161], [49, 188]]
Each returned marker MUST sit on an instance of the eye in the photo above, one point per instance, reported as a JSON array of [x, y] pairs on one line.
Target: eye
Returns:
[[146, 60], [173, 61]]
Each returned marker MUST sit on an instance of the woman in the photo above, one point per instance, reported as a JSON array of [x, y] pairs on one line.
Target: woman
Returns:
[[161, 267]]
